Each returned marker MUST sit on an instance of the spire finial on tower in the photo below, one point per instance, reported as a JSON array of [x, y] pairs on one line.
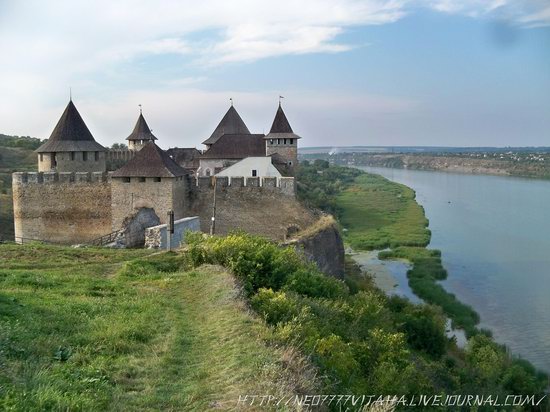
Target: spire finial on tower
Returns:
[[140, 109], [231, 100], [70, 94], [280, 99]]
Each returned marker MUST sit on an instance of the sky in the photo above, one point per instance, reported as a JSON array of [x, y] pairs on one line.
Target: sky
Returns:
[[352, 72]]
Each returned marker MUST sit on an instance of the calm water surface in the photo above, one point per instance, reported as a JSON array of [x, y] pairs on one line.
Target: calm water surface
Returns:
[[494, 233]]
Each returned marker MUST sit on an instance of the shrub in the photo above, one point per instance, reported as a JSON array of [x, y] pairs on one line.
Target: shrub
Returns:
[[309, 282]]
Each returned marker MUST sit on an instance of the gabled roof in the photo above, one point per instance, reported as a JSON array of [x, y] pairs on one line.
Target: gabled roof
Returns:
[[230, 124], [71, 134], [281, 127], [236, 146], [150, 161], [141, 130]]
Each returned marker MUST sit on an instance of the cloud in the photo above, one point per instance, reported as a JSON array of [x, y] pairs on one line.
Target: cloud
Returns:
[[104, 48]]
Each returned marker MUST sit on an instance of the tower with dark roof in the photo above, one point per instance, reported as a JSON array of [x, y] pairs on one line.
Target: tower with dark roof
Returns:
[[71, 147], [141, 135], [150, 180], [231, 123], [282, 143]]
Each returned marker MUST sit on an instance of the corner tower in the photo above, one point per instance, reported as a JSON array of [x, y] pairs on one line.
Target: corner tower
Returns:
[[282, 143], [141, 135], [71, 147]]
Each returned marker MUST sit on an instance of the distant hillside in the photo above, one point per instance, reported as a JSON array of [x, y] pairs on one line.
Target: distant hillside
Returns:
[[16, 154]]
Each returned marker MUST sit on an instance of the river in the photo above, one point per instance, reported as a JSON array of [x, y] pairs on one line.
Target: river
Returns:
[[494, 234]]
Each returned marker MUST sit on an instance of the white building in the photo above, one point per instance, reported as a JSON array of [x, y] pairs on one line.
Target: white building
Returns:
[[251, 167]]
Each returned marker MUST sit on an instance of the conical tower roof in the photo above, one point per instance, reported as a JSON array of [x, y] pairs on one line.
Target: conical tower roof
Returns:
[[230, 124], [281, 126], [141, 130], [280, 123], [70, 134], [150, 161]]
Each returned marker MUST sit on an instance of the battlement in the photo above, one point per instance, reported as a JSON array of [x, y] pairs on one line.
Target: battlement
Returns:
[[25, 178], [283, 185]]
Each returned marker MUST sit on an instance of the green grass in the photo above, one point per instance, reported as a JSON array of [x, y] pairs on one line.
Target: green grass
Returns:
[[378, 214], [98, 329]]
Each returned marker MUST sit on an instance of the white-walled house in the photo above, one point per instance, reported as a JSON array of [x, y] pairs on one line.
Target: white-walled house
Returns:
[[251, 167]]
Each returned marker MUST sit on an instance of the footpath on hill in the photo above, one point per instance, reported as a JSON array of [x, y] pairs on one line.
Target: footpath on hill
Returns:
[[96, 329]]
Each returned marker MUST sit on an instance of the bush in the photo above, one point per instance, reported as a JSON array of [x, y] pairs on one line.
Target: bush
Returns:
[[310, 283], [425, 329]]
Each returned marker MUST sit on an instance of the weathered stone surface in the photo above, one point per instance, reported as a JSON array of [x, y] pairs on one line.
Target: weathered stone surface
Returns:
[[133, 233], [57, 208], [163, 196], [265, 211]]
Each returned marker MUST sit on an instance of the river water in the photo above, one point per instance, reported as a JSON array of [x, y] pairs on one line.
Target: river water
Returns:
[[494, 234]]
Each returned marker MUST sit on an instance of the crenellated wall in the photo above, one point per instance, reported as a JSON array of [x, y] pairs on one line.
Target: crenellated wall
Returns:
[[79, 207], [266, 206], [61, 207]]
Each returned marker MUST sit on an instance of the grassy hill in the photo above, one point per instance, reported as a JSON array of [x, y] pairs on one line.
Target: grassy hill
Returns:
[[16, 154], [99, 329]]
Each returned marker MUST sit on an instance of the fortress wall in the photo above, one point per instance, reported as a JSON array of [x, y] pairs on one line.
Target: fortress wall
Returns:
[[267, 210], [61, 207]]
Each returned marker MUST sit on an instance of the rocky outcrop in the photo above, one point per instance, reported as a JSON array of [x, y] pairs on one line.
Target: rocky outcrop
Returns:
[[322, 243]]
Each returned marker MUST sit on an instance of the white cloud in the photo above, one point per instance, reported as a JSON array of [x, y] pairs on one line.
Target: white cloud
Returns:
[[48, 46]]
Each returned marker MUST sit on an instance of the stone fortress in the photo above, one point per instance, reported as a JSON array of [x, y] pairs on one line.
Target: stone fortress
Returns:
[[247, 179]]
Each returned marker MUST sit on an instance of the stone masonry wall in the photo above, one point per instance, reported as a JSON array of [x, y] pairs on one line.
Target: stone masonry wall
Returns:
[[163, 196], [61, 207], [266, 210]]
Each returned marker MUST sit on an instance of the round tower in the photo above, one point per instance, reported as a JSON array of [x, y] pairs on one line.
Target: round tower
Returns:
[[71, 147]]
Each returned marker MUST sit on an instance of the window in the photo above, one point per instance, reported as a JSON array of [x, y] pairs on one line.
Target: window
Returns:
[[207, 172], [156, 179], [53, 160], [278, 141], [142, 179], [84, 156], [254, 173], [291, 141], [270, 141], [126, 179], [284, 141], [96, 156], [41, 157]]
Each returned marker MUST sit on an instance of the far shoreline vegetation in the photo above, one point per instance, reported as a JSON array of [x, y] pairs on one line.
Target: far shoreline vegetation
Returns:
[[513, 162]]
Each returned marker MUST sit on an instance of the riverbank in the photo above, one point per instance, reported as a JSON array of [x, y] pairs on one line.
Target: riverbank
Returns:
[[526, 165], [376, 213]]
